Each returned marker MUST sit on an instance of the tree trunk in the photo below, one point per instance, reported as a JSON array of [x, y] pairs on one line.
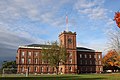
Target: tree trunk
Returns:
[[57, 70]]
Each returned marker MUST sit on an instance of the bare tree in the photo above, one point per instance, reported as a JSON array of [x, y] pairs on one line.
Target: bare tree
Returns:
[[114, 41]]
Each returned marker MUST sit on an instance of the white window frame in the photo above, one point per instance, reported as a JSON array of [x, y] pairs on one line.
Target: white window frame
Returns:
[[29, 60], [94, 56], [70, 54], [29, 69], [41, 69], [22, 69], [99, 62], [36, 68], [99, 56], [70, 68], [85, 55], [80, 55], [36, 53], [90, 56], [36, 60], [23, 53], [22, 60], [29, 53], [70, 60]]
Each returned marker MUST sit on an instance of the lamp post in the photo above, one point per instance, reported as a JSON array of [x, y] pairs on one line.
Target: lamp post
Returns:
[[3, 74]]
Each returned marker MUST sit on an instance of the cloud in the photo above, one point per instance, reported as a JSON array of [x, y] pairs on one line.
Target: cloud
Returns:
[[19, 22], [93, 9], [37, 10], [95, 44]]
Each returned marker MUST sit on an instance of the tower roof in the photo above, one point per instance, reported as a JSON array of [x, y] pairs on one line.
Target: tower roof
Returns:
[[67, 32]]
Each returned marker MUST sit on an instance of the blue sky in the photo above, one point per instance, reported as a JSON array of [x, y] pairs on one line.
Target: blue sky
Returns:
[[38, 21]]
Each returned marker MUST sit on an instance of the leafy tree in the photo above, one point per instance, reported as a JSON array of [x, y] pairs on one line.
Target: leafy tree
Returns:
[[55, 55], [10, 66], [111, 60]]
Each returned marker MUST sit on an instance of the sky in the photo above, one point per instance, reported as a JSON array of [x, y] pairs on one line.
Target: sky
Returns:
[[24, 22]]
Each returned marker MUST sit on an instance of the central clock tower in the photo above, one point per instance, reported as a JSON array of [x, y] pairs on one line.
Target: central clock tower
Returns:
[[68, 40]]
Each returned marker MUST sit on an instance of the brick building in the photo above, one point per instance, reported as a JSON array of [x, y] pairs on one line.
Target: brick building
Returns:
[[81, 60]]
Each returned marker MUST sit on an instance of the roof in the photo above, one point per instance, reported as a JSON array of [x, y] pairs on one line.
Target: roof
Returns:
[[35, 46], [85, 49], [40, 46]]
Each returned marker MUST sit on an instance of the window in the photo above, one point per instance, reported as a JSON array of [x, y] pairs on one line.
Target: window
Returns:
[[29, 61], [70, 68], [43, 61], [81, 69], [90, 68], [53, 69], [90, 62], [36, 61], [22, 60], [99, 62], [94, 56], [36, 53], [99, 56], [23, 53], [85, 61], [48, 69], [22, 69], [80, 61], [42, 69], [36, 69], [80, 55], [96, 62], [29, 69], [70, 60], [100, 69], [85, 56], [29, 53], [70, 54], [85, 68], [89, 56]]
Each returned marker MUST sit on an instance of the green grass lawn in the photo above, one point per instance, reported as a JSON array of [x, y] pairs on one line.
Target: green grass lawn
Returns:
[[64, 77]]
